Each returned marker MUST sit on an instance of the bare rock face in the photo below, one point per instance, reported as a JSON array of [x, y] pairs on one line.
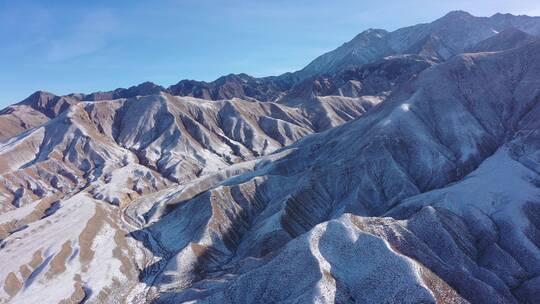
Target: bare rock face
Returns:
[[410, 178]]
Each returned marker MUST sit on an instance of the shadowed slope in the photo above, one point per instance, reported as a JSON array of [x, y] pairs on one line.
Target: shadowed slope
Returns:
[[431, 132]]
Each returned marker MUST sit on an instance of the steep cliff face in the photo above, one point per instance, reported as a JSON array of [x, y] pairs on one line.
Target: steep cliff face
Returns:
[[412, 178]]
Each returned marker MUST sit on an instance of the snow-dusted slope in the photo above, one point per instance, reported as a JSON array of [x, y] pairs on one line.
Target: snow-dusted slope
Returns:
[[177, 139], [454, 119], [423, 187], [378, 78], [32, 112], [103, 155], [505, 40], [364, 48]]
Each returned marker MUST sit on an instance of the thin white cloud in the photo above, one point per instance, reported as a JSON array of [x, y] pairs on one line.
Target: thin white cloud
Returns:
[[90, 34], [23, 28]]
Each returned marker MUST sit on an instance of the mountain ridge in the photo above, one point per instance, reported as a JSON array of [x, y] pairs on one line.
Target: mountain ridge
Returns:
[[413, 40], [382, 168], [413, 177]]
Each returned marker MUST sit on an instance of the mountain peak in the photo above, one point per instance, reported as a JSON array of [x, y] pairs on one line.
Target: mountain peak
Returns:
[[40, 94], [501, 15], [371, 32], [38, 97], [147, 85], [455, 17], [457, 14], [242, 77]]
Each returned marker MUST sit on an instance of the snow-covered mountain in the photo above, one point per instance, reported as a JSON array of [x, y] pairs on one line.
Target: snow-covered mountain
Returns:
[[454, 33], [404, 168], [441, 39]]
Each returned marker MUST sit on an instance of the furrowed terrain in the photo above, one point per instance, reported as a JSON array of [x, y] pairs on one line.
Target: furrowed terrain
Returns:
[[401, 167]]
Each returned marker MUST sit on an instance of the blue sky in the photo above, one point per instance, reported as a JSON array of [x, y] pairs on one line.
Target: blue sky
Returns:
[[85, 46]]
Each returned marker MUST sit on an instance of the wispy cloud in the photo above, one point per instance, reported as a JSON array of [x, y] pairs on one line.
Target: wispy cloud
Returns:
[[23, 28], [34, 33], [90, 34]]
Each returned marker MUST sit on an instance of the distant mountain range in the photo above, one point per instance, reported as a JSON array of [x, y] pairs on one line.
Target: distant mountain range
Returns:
[[454, 33], [401, 167]]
